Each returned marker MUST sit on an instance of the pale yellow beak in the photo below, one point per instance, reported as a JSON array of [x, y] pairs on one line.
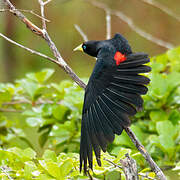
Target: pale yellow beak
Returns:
[[79, 48]]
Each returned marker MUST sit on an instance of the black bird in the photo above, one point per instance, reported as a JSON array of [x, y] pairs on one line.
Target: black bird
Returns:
[[112, 95]]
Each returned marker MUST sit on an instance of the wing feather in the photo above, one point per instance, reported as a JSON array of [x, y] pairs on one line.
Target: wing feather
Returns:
[[111, 96], [129, 88]]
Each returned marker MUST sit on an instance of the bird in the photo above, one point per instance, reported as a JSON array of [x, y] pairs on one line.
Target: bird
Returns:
[[112, 95]]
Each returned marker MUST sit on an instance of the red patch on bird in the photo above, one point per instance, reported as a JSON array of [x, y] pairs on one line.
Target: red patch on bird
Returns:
[[119, 57]]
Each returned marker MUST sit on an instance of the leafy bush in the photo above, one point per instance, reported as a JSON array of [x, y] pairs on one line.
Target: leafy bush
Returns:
[[40, 125]]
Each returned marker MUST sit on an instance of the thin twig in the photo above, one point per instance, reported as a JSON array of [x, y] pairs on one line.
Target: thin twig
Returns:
[[27, 11], [10, 110], [85, 38], [146, 155], [108, 24], [42, 4], [30, 50], [129, 166], [5, 170], [28, 23], [132, 25], [25, 101], [46, 2], [115, 165], [43, 33], [120, 167], [162, 8]]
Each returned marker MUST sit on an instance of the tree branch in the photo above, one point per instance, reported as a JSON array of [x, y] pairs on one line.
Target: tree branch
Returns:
[[85, 38], [28, 49], [120, 167], [108, 24], [130, 168], [27, 11], [146, 155], [132, 25], [10, 110], [28, 23], [42, 4], [5, 170], [43, 33], [162, 8]]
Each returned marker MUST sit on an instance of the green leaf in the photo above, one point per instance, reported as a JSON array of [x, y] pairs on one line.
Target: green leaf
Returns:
[[43, 138], [17, 151], [113, 175], [60, 133], [165, 127], [34, 121], [158, 115], [123, 139], [5, 96], [59, 111], [29, 86], [50, 155], [166, 141], [138, 132], [174, 117], [29, 168], [177, 168], [42, 76], [160, 59], [121, 154], [29, 153], [158, 86], [52, 168], [47, 110], [166, 131], [66, 167], [174, 57]]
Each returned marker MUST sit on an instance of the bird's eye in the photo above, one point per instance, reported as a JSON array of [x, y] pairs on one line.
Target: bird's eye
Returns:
[[84, 47]]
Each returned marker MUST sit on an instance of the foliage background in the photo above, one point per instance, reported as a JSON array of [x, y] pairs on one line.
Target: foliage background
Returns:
[[39, 133]]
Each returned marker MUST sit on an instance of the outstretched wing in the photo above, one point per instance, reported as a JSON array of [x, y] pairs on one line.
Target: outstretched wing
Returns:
[[111, 96]]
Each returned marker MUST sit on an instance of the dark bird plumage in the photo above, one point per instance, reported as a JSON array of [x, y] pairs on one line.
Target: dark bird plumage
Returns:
[[112, 95]]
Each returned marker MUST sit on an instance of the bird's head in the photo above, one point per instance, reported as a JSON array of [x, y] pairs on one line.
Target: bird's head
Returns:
[[90, 47], [117, 43]]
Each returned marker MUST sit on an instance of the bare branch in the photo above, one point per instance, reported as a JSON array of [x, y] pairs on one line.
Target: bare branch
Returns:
[[131, 24], [146, 155], [162, 8], [25, 101], [130, 168], [28, 49], [28, 23], [42, 4], [10, 110], [43, 33], [46, 2], [85, 38], [5, 170], [120, 167], [27, 11], [114, 164], [108, 24]]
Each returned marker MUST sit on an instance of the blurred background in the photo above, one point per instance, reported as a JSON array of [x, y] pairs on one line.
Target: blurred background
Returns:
[[63, 14]]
